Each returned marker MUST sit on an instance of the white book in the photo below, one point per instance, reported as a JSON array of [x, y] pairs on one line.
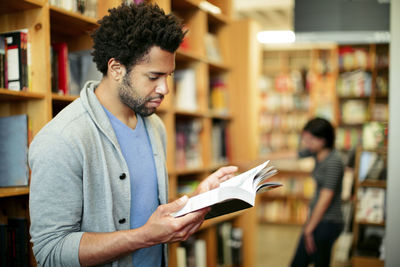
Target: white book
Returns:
[[233, 195], [200, 253], [181, 257]]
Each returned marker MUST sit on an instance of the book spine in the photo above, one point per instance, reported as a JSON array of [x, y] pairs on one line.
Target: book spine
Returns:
[[62, 60]]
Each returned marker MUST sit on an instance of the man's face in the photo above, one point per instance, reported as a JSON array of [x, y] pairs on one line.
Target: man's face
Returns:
[[144, 87]]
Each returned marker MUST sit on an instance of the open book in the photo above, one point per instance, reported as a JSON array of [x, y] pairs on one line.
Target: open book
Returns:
[[233, 195]]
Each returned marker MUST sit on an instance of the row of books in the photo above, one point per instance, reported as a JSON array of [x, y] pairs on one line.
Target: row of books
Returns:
[[371, 207], [298, 187], [281, 102], [15, 60], [71, 70], [219, 96], [85, 7], [354, 111], [186, 92], [354, 57], [13, 242], [356, 83], [220, 142], [193, 252], [372, 166], [188, 151], [288, 122], [294, 82], [347, 138], [278, 141], [14, 136], [372, 135], [283, 211]]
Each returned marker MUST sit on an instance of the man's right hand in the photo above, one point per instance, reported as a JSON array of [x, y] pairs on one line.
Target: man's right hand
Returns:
[[162, 227]]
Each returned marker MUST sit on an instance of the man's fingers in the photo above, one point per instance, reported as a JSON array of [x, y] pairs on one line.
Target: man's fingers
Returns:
[[175, 205]]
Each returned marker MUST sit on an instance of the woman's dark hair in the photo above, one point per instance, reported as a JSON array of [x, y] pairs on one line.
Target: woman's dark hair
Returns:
[[129, 31], [321, 128]]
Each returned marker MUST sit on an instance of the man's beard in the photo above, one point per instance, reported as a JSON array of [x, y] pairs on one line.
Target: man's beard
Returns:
[[130, 97]]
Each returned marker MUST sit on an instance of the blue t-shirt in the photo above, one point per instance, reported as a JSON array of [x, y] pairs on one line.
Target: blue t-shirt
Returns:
[[138, 154]]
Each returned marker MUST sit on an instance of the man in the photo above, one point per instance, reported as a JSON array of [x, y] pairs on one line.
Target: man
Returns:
[[99, 180]]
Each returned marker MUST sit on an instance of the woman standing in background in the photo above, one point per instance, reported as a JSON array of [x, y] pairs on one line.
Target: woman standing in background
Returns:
[[325, 221]]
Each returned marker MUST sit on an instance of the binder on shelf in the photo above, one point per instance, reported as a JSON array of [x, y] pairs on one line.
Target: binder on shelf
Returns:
[[16, 67], [14, 151]]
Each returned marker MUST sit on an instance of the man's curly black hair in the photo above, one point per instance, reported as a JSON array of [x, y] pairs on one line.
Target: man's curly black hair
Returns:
[[129, 31]]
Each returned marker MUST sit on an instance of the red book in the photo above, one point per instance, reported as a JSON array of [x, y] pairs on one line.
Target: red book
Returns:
[[61, 51]]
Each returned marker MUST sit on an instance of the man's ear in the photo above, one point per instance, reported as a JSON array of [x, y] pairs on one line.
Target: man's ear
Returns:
[[116, 70]]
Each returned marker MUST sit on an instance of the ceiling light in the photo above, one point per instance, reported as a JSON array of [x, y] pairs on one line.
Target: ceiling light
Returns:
[[276, 37]]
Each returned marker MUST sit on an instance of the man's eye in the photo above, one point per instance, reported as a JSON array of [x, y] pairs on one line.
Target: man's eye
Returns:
[[153, 78]]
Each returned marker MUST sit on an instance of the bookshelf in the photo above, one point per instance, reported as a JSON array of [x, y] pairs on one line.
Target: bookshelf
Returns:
[[362, 91], [370, 208], [46, 25], [297, 83]]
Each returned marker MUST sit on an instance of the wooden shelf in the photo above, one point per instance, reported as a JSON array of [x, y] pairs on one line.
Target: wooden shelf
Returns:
[[214, 221], [217, 66], [294, 223], [373, 183], [299, 197], [19, 5], [63, 98], [215, 115], [185, 113], [184, 4], [364, 261], [366, 223], [217, 20], [189, 171], [77, 24], [7, 95], [14, 191], [183, 55]]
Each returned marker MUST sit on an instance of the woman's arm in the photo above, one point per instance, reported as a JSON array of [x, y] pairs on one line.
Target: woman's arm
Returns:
[[323, 202]]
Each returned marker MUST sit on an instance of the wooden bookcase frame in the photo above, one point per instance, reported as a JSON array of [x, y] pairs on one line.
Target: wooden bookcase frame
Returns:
[[46, 24]]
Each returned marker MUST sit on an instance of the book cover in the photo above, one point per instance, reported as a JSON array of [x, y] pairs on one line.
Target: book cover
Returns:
[[14, 169]]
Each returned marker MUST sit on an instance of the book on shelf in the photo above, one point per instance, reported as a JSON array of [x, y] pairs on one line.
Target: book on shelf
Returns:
[[185, 89], [60, 68], [195, 252], [81, 69], [17, 53], [371, 205], [372, 166], [3, 62], [85, 7], [354, 111], [219, 97], [354, 84], [188, 150], [235, 194], [219, 142], [374, 135], [14, 240], [212, 47], [14, 169]]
